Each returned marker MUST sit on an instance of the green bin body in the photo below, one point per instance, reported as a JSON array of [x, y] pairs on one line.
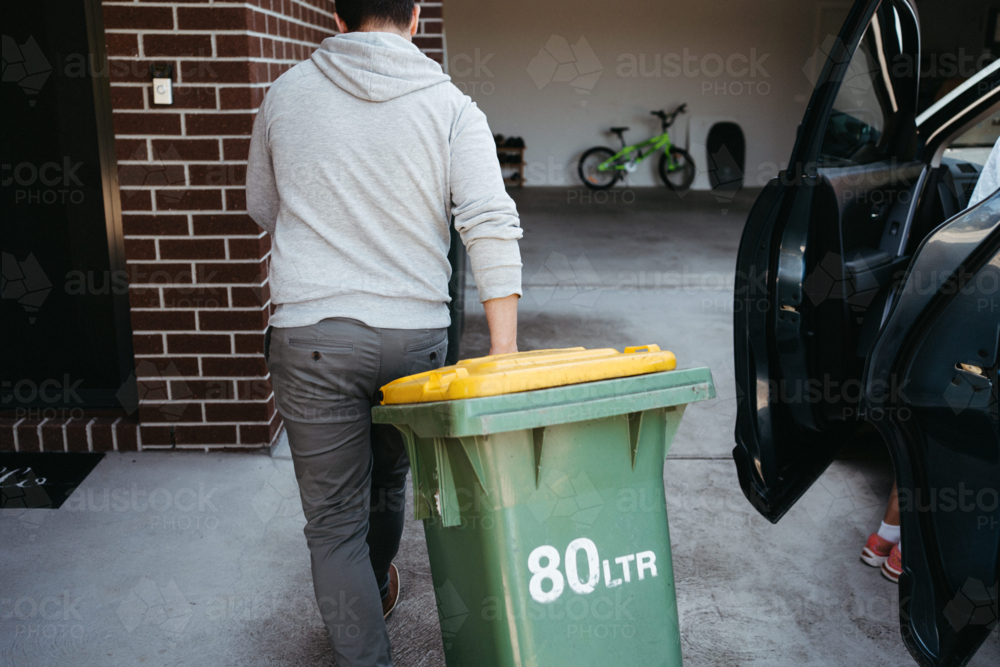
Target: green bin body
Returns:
[[534, 506]]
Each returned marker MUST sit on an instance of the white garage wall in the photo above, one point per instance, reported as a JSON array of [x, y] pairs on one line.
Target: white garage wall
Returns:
[[611, 62]]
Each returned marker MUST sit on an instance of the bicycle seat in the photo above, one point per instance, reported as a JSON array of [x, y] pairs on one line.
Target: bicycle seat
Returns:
[[619, 130]]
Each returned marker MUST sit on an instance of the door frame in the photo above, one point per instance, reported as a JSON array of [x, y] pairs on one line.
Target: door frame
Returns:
[[100, 80]]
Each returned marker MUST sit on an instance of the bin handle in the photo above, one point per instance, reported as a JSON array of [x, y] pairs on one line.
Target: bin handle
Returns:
[[642, 348], [438, 379]]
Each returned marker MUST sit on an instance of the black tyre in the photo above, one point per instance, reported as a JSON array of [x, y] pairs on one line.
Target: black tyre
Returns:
[[591, 176], [682, 176]]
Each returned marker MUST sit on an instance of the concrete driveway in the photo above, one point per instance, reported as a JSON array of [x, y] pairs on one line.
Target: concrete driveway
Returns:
[[170, 559]]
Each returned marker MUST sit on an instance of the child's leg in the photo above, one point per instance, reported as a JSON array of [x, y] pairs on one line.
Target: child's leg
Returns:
[[890, 522]]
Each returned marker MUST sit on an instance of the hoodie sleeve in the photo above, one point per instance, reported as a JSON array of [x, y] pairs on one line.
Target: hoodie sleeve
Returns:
[[262, 191], [485, 215]]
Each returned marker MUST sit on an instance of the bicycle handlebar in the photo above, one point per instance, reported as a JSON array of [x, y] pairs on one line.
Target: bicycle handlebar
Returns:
[[673, 114], [668, 118]]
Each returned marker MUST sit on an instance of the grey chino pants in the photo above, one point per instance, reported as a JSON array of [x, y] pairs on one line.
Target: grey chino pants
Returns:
[[351, 473]]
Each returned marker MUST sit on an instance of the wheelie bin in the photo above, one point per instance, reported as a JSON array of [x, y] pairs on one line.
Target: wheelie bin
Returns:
[[539, 480]]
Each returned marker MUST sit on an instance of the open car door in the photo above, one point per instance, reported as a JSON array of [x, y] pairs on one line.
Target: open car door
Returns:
[[931, 390], [818, 254], [865, 294]]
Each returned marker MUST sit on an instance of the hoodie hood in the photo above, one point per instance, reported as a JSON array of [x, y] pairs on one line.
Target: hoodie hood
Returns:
[[376, 66]]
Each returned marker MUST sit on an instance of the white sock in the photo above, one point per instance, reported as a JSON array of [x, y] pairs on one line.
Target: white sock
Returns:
[[889, 533]]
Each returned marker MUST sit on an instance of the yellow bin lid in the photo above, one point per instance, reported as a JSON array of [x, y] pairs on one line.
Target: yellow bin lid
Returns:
[[525, 371]]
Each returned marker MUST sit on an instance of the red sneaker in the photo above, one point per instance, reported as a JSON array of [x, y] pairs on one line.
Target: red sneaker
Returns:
[[876, 550], [893, 567]]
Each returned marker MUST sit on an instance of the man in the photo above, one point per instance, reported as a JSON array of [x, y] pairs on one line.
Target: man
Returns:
[[360, 156]]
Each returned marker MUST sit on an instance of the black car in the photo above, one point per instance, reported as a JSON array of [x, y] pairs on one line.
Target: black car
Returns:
[[868, 295]]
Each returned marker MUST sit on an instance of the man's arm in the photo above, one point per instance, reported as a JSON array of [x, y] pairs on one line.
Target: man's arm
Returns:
[[262, 190], [501, 316], [486, 218]]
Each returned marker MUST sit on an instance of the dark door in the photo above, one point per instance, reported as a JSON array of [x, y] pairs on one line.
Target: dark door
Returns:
[[818, 256], [66, 340]]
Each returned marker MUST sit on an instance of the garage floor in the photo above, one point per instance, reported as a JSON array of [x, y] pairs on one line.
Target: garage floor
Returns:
[[214, 571]]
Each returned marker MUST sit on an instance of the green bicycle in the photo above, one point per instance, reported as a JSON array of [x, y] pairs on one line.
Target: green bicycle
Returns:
[[600, 167]]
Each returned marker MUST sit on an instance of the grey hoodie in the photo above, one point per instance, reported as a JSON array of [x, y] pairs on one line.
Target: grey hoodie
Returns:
[[359, 157]]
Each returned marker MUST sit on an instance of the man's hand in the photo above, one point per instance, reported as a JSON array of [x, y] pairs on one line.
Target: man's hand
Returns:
[[501, 316]]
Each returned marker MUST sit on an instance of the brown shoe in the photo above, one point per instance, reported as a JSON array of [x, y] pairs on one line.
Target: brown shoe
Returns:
[[389, 603]]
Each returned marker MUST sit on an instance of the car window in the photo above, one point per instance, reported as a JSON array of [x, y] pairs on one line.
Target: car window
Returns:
[[973, 147], [857, 121], [957, 43], [981, 135]]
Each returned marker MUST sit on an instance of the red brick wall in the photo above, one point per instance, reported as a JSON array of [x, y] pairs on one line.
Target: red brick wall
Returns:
[[430, 36], [197, 263]]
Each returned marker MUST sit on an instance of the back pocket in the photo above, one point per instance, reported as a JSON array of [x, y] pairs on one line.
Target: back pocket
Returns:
[[426, 355], [426, 345]]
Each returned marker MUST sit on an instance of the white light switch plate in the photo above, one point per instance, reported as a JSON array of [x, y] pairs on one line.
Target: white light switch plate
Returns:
[[162, 91]]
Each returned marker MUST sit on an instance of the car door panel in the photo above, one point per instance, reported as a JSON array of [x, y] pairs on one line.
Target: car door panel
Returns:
[[759, 467], [852, 260], [811, 253], [931, 391]]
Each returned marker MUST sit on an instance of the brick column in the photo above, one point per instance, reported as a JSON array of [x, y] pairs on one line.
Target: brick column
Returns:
[[430, 35], [197, 263]]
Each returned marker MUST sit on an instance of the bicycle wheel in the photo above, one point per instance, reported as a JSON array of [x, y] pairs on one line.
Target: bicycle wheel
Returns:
[[679, 175], [592, 177]]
